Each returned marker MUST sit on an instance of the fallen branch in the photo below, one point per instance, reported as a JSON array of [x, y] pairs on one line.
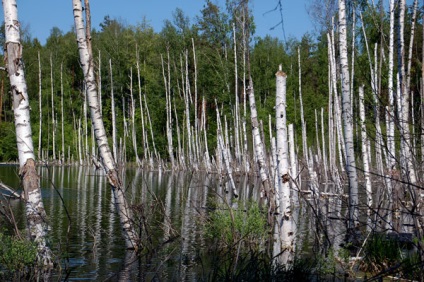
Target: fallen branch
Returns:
[[13, 193]]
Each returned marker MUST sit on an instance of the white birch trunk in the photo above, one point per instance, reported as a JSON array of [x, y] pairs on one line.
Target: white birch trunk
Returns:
[[406, 159], [330, 112], [113, 112], [80, 143], [151, 131], [260, 152], [61, 112], [337, 109], [99, 76], [133, 132], [53, 114], [317, 138], [391, 162], [196, 120], [108, 161], [324, 149], [34, 208], [224, 151], [285, 218], [40, 109], [207, 157], [347, 119], [168, 114], [237, 110], [365, 152], [375, 94], [302, 117], [187, 97], [293, 168], [145, 141]]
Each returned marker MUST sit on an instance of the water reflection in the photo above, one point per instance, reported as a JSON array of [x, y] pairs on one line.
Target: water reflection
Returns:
[[90, 244]]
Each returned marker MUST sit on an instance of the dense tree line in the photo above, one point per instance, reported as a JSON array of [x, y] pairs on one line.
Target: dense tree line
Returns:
[[210, 34]]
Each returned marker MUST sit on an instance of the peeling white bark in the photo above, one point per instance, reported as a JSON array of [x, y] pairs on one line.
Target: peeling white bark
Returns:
[[285, 218], [347, 119], [364, 141], [34, 208], [102, 143]]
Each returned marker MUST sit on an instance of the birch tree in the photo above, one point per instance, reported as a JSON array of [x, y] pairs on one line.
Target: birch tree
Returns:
[[34, 207], [365, 153], [347, 118], [40, 109], [408, 170], [285, 219], [84, 47], [113, 113]]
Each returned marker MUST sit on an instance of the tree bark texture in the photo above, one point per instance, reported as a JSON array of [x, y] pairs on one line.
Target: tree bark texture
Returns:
[[99, 129], [34, 208]]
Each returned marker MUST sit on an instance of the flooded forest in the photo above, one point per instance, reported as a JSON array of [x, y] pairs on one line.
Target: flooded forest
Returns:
[[205, 152]]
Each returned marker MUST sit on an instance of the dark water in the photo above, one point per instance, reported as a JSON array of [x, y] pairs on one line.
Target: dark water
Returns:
[[89, 244]]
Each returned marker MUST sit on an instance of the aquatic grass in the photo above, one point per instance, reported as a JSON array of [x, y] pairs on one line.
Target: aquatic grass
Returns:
[[381, 253], [230, 226]]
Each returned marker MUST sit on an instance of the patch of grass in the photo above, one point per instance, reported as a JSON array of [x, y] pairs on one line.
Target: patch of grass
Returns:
[[381, 253], [228, 226]]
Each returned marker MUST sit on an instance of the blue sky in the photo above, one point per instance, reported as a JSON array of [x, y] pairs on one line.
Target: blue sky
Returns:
[[41, 16]]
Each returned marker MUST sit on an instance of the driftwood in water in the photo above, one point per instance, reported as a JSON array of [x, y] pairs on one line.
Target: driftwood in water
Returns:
[[10, 192]]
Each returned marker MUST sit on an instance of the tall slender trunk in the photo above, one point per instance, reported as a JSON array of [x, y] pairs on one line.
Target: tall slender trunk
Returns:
[[34, 208], [133, 132], [196, 120], [62, 115], [224, 151], [99, 82], [145, 141], [260, 152], [53, 113], [337, 108], [302, 117], [365, 152], [99, 130], [285, 218], [168, 113], [375, 93], [391, 162], [40, 109], [406, 149], [347, 119], [237, 110], [112, 101], [187, 97], [324, 149], [206, 157]]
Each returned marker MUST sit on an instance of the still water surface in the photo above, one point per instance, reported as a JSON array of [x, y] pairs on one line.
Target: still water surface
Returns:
[[85, 230]]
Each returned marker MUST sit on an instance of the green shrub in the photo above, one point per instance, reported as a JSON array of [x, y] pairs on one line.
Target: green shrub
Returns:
[[17, 255]]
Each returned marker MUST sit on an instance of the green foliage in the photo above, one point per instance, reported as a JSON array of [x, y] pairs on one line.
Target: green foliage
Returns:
[[8, 149], [381, 253], [17, 255], [229, 226], [212, 34]]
